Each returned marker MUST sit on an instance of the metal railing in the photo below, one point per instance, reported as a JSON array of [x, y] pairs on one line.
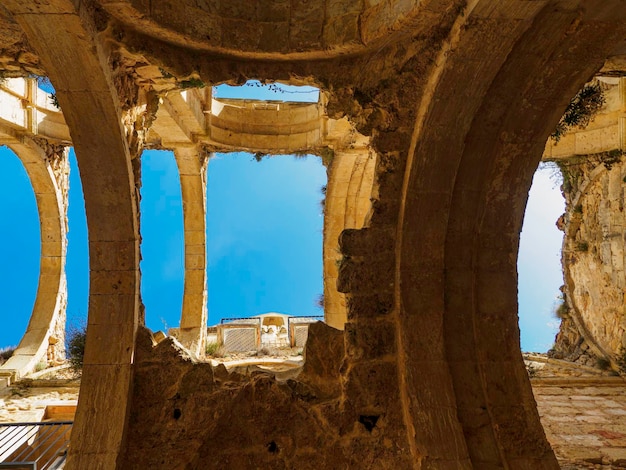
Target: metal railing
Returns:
[[34, 446]]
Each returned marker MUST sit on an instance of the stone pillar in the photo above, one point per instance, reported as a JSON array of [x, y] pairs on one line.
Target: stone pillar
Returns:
[[348, 202], [58, 161], [192, 166]]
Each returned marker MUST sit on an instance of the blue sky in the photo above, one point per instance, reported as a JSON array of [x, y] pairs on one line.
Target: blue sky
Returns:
[[264, 236], [264, 240], [539, 262]]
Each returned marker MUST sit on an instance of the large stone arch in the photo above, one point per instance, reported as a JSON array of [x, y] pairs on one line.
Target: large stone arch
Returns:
[[498, 152], [45, 335], [78, 67], [480, 128]]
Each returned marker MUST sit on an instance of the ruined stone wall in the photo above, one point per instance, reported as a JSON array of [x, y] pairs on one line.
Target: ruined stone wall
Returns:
[[594, 320], [185, 414]]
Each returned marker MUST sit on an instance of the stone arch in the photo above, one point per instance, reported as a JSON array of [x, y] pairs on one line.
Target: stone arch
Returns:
[[468, 175], [591, 163], [79, 70], [192, 167], [279, 31], [45, 335]]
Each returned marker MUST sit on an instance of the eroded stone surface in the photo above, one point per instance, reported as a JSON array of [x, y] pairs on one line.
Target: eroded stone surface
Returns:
[[593, 323], [249, 421]]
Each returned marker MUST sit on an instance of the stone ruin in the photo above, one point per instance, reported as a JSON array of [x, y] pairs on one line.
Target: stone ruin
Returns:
[[433, 118]]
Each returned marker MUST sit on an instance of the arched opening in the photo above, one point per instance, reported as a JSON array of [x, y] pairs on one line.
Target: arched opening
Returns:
[[20, 250], [539, 262], [580, 184], [162, 243], [265, 218], [77, 259], [584, 158]]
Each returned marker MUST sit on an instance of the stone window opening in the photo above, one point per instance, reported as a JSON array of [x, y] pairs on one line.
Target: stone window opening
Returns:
[[19, 211], [264, 241]]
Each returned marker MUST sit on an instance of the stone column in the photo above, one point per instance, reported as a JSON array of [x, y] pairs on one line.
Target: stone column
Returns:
[[192, 165], [348, 201]]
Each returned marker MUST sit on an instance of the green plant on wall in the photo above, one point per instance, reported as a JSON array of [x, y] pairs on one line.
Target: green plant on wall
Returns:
[[562, 310], [327, 155], [54, 100], [582, 246], [76, 337], [621, 360], [570, 173], [580, 111], [214, 349], [6, 353], [192, 82]]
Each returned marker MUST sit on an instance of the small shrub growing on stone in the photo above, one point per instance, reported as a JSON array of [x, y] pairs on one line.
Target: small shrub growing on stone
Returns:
[[76, 337], [580, 111], [213, 349], [54, 101], [603, 364], [621, 360], [561, 311], [192, 82], [6, 353]]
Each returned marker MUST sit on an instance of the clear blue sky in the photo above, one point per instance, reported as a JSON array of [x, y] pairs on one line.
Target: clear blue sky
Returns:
[[264, 240], [539, 262], [264, 236]]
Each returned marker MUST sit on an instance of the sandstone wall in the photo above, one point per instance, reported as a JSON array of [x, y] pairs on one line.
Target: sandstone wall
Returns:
[[593, 256], [194, 416]]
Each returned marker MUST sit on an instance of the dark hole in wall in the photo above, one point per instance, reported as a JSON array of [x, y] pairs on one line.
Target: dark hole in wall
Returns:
[[177, 413], [272, 447], [369, 421]]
